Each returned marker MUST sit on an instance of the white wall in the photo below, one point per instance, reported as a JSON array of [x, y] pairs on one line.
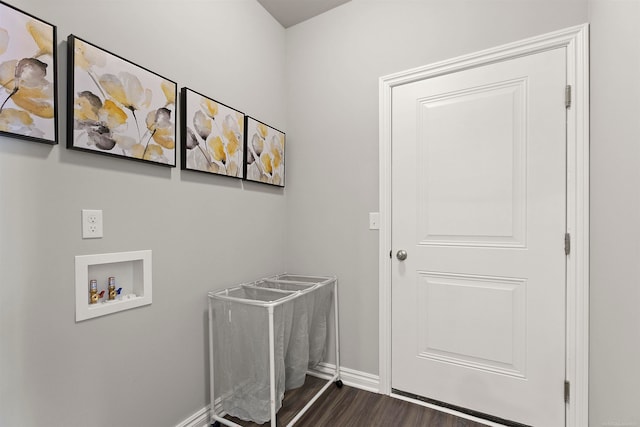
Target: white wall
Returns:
[[148, 366], [615, 209], [334, 62], [333, 65], [56, 372]]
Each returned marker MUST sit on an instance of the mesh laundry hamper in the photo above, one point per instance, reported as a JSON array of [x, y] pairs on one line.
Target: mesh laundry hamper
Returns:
[[241, 345], [319, 303], [297, 355], [264, 336]]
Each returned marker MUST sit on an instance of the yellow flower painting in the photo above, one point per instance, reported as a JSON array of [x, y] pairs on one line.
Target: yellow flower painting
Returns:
[[265, 153], [212, 136], [28, 96], [119, 108]]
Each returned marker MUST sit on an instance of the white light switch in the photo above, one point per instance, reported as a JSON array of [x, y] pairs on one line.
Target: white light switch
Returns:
[[374, 220]]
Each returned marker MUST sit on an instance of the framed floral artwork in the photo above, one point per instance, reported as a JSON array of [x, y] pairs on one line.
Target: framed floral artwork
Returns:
[[264, 153], [28, 63], [119, 108], [212, 136]]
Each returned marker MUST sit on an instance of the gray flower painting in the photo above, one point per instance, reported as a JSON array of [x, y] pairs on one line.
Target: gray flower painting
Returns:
[[28, 76], [213, 134], [119, 108], [264, 153]]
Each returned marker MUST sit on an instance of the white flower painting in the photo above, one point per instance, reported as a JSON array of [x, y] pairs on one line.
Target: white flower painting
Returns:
[[212, 136], [264, 147], [28, 76], [119, 108]]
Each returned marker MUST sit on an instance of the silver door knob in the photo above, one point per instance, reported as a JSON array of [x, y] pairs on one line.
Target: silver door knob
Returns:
[[401, 255]]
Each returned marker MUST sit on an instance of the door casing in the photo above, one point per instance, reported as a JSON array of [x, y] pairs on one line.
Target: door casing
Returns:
[[576, 42]]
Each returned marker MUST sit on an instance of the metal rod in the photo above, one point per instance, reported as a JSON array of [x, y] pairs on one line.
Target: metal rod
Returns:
[[312, 401], [272, 367], [335, 309], [212, 409], [286, 296]]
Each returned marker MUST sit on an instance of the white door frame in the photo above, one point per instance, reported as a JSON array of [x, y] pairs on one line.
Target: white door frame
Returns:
[[576, 42]]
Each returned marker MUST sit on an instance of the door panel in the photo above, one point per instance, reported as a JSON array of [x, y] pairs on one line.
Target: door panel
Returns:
[[473, 321], [473, 178], [479, 204]]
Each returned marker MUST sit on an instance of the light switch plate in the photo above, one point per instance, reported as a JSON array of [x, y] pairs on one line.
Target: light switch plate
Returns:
[[374, 220]]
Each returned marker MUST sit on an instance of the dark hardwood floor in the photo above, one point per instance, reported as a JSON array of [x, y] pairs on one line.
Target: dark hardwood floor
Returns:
[[352, 407]]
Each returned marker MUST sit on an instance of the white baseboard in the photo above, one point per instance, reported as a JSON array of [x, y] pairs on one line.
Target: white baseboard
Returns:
[[199, 419], [350, 377]]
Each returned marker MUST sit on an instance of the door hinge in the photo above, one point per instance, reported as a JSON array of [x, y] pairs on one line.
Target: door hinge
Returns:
[[567, 96], [567, 391], [391, 253], [567, 243]]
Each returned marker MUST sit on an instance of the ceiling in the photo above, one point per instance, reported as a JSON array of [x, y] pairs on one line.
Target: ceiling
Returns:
[[292, 12]]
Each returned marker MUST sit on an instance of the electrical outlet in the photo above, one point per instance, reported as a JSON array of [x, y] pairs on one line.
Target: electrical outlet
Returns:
[[91, 224]]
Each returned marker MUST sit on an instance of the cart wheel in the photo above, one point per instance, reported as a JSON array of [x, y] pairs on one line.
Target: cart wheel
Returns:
[[339, 384]]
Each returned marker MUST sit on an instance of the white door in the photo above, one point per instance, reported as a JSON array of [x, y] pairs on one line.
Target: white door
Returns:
[[479, 206]]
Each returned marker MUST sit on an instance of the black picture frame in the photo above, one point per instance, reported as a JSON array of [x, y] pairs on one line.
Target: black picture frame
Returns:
[[118, 108], [264, 148], [28, 109], [212, 135]]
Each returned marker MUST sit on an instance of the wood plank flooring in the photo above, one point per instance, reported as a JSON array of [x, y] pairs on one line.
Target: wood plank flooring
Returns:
[[352, 407]]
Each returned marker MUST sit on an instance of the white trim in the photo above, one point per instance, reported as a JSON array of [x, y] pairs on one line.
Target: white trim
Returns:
[[578, 226], [199, 419], [576, 42], [350, 377]]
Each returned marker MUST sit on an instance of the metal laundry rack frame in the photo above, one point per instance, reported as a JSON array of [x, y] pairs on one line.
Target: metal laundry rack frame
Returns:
[[218, 419]]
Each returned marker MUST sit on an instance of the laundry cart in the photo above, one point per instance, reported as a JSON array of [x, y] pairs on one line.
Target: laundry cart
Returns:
[[263, 338]]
